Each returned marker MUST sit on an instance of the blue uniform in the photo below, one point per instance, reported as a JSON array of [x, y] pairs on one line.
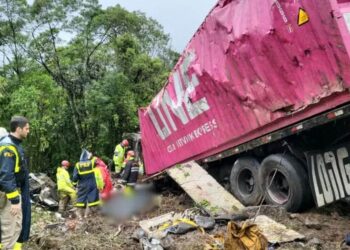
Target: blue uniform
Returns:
[[14, 179], [84, 176]]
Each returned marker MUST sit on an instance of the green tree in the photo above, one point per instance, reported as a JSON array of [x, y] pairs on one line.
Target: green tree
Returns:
[[83, 90], [12, 21]]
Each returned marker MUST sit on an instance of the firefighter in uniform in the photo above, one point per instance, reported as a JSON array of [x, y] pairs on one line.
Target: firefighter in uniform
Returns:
[[131, 173], [119, 156]]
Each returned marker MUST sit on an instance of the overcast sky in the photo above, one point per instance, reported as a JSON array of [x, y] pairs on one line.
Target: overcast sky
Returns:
[[180, 18]]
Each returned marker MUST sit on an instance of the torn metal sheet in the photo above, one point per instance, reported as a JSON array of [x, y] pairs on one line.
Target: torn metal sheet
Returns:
[[43, 190], [204, 189], [42, 179], [276, 232]]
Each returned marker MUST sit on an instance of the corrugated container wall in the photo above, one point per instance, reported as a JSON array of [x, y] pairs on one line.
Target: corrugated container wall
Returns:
[[251, 68]]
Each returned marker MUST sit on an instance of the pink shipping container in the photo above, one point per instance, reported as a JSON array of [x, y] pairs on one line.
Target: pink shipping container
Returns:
[[252, 68]]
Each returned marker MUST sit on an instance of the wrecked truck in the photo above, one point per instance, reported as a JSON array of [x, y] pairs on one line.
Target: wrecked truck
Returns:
[[261, 93]]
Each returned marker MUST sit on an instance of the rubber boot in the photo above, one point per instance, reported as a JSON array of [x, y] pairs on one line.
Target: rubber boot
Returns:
[[62, 204]]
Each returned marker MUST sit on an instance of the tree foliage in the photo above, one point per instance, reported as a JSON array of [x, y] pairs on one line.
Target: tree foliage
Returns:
[[79, 73]]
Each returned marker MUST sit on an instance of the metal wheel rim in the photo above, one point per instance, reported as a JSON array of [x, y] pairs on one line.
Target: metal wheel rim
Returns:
[[246, 182], [278, 189]]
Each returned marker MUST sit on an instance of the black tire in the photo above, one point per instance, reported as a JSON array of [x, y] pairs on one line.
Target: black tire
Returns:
[[290, 185], [244, 183]]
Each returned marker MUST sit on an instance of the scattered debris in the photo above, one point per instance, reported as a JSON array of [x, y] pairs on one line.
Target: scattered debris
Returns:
[[215, 242], [151, 226], [138, 234], [42, 180], [228, 217], [154, 244], [104, 233], [167, 242], [294, 216], [276, 211], [245, 236], [45, 197], [312, 224], [276, 232], [179, 226], [120, 227], [204, 222], [347, 239], [314, 241], [214, 199], [43, 190]]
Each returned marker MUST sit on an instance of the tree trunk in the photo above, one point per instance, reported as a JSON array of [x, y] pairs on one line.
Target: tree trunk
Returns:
[[76, 119]]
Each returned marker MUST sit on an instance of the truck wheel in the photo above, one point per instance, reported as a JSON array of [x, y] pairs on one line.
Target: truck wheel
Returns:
[[244, 181], [284, 181]]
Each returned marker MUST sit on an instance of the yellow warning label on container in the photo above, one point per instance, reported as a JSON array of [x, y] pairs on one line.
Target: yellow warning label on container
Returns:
[[303, 17]]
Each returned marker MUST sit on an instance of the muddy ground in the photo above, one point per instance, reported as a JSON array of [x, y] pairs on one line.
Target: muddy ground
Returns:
[[324, 228]]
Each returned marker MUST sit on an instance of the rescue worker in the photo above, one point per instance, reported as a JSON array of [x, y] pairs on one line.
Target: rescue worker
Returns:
[[84, 176], [98, 177], [119, 155], [131, 173], [65, 187], [15, 207]]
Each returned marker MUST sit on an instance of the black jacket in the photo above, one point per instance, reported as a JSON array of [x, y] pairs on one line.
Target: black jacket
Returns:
[[131, 172]]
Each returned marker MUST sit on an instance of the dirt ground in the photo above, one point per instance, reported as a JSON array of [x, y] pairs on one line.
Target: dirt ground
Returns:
[[323, 228]]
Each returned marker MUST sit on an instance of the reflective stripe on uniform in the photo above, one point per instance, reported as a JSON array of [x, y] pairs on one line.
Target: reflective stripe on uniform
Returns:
[[94, 203], [14, 150], [89, 166], [85, 172], [93, 161], [99, 179], [80, 204], [135, 169], [12, 195]]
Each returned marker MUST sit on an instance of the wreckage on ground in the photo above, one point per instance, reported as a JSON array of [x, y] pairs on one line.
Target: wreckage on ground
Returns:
[[260, 96], [43, 190]]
